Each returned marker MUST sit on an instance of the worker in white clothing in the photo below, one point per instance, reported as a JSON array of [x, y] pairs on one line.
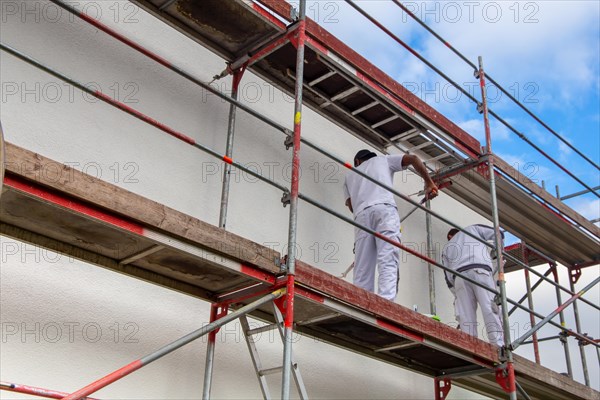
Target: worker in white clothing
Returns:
[[472, 258], [374, 207]]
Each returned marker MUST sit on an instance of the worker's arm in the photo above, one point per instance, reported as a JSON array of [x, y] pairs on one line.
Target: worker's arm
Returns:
[[431, 189], [349, 204]]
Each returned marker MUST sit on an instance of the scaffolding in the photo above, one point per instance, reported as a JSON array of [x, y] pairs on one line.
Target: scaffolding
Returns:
[[298, 56]]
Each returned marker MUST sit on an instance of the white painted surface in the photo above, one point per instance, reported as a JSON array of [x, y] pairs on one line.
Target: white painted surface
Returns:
[[44, 294]]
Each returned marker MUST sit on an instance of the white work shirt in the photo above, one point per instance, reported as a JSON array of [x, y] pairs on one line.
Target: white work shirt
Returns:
[[364, 193], [463, 251]]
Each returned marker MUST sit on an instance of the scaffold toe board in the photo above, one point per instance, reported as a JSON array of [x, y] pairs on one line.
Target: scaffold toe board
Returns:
[[347, 89], [108, 226]]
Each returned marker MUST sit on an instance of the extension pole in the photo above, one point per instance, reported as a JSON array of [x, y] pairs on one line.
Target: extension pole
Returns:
[[142, 362], [586, 375], [300, 36], [237, 77], [497, 235]]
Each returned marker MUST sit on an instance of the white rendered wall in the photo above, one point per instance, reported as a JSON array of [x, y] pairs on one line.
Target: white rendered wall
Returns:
[[66, 323]]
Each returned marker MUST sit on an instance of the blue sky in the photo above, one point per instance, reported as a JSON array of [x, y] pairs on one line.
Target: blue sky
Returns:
[[545, 53]]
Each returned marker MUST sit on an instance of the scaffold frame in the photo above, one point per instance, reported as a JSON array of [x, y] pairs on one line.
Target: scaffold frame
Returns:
[[282, 278]]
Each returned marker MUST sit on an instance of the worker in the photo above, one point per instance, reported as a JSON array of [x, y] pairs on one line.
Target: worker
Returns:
[[375, 208], [472, 259]]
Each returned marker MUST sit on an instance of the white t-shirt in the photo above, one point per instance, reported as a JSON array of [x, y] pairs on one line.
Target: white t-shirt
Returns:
[[364, 193]]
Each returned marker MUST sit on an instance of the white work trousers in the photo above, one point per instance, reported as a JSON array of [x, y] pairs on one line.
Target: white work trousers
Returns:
[[468, 295], [371, 252]]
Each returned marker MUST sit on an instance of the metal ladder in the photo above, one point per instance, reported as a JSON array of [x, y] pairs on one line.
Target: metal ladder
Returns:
[[262, 373]]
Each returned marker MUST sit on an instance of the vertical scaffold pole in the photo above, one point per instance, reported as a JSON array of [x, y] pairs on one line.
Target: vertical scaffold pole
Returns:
[[300, 35], [562, 323], [210, 355], [584, 366], [525, 256], [512, 390], [430, 254], [237, 77]]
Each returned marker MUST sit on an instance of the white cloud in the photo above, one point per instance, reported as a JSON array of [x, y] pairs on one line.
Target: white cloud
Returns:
[[589, 208]]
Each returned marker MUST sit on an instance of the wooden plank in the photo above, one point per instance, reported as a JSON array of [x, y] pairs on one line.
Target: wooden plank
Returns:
[[340, 289], [84, 187]]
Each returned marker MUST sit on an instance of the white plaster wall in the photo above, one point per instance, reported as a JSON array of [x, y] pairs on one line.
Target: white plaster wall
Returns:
[[44, 294]]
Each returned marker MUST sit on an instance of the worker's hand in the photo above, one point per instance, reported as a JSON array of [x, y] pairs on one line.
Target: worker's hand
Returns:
[[431, 190]]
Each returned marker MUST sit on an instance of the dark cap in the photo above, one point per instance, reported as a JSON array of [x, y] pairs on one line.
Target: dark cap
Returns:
[[364, 154]]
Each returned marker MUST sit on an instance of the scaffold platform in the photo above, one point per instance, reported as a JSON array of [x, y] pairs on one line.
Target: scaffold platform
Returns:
[[105, 225]]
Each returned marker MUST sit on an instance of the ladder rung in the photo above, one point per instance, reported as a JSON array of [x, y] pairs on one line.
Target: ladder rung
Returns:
[[270, 371]]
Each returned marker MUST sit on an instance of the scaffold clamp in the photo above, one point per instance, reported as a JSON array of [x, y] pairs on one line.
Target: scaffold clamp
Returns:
[[574, 274], [289, 142], [480, 108], [505, 377], [286, 199], [563, 334], [294, 14]]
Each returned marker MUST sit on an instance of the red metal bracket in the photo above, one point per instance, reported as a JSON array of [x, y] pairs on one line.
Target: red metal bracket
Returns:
[[220, 312], [442, 388], [237, 76], [281, 304], [574, 274], [505, 377], [484, 170]]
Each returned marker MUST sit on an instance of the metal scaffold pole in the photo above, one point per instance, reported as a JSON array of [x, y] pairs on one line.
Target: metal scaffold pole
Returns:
[[299, 39], [525, 255], [237, 77], [430, 254], [584, 366], [563, 334], [210, 356], [498, 238]]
